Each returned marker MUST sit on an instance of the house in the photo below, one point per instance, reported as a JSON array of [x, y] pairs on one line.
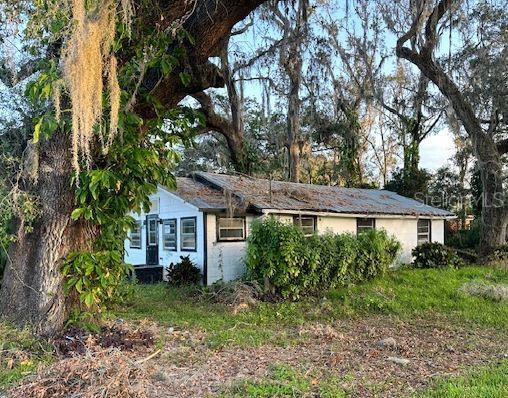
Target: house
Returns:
[[208, 217]]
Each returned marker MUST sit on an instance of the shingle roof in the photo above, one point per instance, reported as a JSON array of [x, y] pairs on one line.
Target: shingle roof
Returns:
[[221, 191]]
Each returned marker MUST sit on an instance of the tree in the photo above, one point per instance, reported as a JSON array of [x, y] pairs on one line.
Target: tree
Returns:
[[167, 59], [423, 36], [232, 128], [347, 63], [293, 24]]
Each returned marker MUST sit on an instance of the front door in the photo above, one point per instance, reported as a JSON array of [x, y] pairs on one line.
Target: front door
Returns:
[[152, 240]]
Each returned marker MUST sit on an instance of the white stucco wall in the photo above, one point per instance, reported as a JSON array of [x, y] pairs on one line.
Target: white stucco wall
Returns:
[[336, 225], [437, 231], [404, 230]]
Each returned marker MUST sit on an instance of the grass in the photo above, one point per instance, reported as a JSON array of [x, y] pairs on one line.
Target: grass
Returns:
[[20, 354], [403, 293], [408, 293], [487, 382], [286, 381]]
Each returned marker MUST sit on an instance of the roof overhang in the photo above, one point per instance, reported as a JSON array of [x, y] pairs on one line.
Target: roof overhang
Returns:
[[356, 215]]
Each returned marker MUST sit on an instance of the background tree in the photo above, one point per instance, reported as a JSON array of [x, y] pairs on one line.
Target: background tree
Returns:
[[483, 53]]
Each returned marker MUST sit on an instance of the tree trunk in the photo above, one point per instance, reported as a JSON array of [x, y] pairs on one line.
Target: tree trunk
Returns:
[[235, 139], [32, 291], [494, 207], [293, 119]]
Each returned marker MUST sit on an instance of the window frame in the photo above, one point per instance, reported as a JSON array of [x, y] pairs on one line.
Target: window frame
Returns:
[[361, 229], [164, 224], [429, 232], [231, 239], [183, 249], [140, 229], [297, 221]]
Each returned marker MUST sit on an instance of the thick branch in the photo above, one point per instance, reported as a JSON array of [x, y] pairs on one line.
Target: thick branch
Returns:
[[210, 23]]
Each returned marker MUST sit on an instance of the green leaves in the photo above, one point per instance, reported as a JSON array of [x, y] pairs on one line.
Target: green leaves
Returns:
[[296, 265], [435, 255], [185, 78], [46, 125], [93, 277]]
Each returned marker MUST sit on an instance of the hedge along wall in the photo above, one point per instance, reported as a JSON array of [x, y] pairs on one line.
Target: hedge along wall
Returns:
[[295, 265]]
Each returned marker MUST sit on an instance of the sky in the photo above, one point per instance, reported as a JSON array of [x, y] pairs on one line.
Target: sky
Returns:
[[436, 150]]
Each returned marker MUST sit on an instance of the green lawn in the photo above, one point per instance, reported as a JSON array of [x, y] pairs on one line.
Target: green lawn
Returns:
[[287, 382], [404, 293], [487, 382]]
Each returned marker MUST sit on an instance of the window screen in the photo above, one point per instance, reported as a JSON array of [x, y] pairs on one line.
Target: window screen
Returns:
[[152, 226], [188, 234], [169, 234], [306, 223], [423, 231], [231, 228], [135, 236], [364, 224]]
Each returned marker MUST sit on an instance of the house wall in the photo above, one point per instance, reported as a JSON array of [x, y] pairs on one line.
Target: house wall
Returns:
[[225, 260], [166, 206], [403, 229]]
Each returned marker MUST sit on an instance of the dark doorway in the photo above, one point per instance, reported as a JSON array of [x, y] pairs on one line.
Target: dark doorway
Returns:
[[152, 240]]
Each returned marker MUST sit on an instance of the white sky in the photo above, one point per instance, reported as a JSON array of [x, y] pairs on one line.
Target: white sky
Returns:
[[436, 150]]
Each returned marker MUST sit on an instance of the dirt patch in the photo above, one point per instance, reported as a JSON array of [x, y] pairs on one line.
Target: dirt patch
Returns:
[[351, 350], [372, 357]]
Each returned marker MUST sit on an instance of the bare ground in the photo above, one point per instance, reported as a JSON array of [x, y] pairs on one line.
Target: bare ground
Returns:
[[349, 349]]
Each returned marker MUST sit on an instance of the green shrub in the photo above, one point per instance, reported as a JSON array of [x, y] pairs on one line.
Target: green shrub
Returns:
[[184, 272], [435, 255], [499, 256], [465, 238], [293, 265]]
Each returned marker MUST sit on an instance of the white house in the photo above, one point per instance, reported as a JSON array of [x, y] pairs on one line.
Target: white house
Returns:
[[208, 217]]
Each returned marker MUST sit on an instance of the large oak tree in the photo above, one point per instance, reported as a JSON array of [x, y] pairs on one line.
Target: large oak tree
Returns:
[[32, 290]]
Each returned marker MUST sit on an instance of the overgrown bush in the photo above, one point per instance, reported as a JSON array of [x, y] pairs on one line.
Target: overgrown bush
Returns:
[[499, 256], [464, 239], [435, 255], [293, 265], [184, 272]]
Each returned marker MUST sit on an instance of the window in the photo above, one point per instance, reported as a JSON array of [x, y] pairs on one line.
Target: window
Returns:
[[364, 224], [230, 228], [306, 223], [152, 231], [188, 234], [169, 234], [135, 236], [423, 231]]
